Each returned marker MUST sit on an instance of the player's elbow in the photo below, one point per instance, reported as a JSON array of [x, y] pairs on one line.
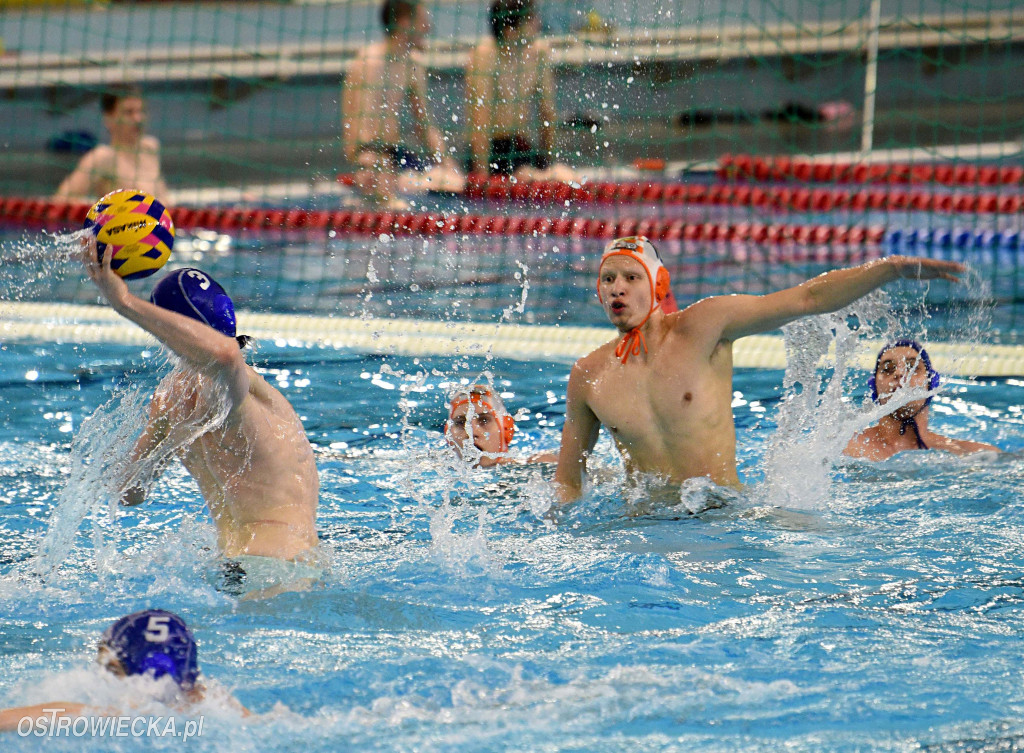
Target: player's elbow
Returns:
[[226, 354]]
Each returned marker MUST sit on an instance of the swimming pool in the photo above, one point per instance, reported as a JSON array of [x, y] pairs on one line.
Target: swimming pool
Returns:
[[887, 615]]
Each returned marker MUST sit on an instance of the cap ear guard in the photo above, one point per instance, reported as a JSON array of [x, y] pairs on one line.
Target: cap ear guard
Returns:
[[639, 248], [508, 426], [158, 665], [508, 429], [662, 285]]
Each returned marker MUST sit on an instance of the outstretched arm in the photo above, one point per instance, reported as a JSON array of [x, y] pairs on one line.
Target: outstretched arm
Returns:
[[579, 435], [206, 349], [831, 291], [962, 446]]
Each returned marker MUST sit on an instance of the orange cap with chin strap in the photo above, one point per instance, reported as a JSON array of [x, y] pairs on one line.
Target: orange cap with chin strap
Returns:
[[485, 400], [642, 250]]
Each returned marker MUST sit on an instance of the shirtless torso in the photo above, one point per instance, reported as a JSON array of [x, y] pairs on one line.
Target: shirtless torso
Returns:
[[668, 410], [381, 91], [236, 435], [253, 464], [509, 92], [130, 160], [667, 399], [107, 168], [386, 130]]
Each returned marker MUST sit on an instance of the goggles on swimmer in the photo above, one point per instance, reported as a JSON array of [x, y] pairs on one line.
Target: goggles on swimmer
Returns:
[[485, 401], [639, 248]]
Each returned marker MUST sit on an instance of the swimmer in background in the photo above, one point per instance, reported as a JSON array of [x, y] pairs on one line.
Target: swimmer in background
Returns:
[[154, 643], [663, 388], [902, 364], [385, 122], [237, 436], [131, 159], [510, 98], [490, 431]]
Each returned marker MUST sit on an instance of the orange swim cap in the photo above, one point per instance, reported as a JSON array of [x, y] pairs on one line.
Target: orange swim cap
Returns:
[[484, 399], [642, 250]]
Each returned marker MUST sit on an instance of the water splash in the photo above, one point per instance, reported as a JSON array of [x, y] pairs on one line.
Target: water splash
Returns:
[[43, 266], [101, 471], [97, 454], [437, 479], [816, 419]]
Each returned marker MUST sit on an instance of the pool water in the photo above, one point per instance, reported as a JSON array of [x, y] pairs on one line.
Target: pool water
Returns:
[[886, 614]]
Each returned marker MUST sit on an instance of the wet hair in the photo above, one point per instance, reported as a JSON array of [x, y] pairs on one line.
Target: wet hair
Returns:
[[508, 15], [110, 97], [394, 11]]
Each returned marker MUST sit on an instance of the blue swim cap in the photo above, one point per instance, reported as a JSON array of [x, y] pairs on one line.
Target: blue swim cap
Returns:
[[195, 294], [154, 642], [933, 375]]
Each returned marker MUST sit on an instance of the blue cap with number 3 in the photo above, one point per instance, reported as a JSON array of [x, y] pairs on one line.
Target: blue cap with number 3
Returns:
[[154, 642], [193, 293]]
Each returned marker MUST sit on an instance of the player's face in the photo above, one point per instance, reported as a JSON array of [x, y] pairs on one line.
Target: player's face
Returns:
[[625, 291], [901, 367], [128, 119], [474, 425]]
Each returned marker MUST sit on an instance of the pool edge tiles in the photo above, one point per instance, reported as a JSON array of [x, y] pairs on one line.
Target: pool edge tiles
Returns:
[[49, 322]]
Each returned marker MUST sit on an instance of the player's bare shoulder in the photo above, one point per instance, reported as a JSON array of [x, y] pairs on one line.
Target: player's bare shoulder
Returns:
[[709, 316], [484, 54], [540, 49], [589, 369], [102, 157]]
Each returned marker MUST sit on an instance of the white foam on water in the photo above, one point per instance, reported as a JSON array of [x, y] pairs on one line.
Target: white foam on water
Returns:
[[817, 418], [99, 471]]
